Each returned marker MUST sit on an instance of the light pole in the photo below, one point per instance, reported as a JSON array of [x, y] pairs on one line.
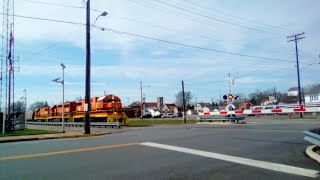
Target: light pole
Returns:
[[25, 111], [62, 82], [142, 104], [87, 105]]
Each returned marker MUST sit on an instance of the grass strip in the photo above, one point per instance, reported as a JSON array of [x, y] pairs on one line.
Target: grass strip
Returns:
[[27, 132]]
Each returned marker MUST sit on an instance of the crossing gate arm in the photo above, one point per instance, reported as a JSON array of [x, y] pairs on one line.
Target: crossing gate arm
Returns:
[[263, 111]]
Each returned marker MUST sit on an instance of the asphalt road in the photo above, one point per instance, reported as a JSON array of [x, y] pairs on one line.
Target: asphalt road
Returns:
[[182, 152]]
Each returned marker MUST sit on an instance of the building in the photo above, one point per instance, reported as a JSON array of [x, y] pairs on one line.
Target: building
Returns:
[[204, 107], [292, 91], [170, 108], [133, 110], [245, 105], [313, 95]]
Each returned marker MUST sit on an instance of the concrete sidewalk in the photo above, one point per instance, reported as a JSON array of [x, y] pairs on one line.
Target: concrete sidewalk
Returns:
[[49, 136]]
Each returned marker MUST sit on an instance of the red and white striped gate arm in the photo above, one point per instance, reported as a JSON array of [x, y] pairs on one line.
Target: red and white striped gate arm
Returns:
[[262, 111]]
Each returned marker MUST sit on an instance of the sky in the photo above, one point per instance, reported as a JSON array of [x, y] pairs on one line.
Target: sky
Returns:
[[208, 39]]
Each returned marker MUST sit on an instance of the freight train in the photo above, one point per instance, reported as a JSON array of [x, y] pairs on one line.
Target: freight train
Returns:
[[106, 108]]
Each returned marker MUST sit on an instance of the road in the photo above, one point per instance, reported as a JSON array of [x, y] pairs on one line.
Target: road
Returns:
[[261, 149]]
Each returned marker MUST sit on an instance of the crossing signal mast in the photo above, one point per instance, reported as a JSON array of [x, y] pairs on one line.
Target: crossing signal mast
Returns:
[[229, 97]]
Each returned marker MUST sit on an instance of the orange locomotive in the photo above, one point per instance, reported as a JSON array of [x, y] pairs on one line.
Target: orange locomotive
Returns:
[[103, 109]]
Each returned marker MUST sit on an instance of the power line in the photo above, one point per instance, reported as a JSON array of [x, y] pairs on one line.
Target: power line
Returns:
[[60, 5], [210, 17], [129, 19], [45, 19], [151, 38], [191, 46], [171, 12], [227, 14], [179, 13], [121, 17]]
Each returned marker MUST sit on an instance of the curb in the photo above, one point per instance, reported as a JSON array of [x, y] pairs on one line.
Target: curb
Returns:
[[53, 137], [312, 154]]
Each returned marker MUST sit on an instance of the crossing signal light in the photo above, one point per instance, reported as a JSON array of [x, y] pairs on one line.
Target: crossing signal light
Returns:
[[230, 96], [236, 97], [225, 97]]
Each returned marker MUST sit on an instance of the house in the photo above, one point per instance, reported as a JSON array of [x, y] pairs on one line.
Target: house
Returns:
[[170, 108], [133, 110], [204, 107], [191, 112], [150, 105], [292, 91], [245, 105], [313, 95]]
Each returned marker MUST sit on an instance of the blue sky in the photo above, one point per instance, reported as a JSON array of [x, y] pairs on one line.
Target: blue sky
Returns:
[[119, 62]]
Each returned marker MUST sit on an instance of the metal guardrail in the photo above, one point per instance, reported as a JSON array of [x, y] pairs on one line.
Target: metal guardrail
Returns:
[[94, 124], [220, 118], [312, 137]]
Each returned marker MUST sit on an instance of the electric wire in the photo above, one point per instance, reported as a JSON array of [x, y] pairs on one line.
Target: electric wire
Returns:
[[192, 46], [129, 19], [215, 10]]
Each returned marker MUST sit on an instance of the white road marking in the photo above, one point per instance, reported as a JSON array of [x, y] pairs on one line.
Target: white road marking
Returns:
[[239, 160]]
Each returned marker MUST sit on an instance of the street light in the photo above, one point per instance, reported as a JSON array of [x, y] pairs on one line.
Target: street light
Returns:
[[88, 67], [142, 104], [25, 111], [62, 82], [104, 13]]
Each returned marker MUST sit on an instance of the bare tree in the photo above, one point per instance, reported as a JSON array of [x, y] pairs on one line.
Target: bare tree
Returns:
[[179, 98], [38, 104], [19, 107]]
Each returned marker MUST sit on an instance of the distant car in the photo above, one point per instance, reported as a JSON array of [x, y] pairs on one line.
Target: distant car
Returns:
[[179, 114], [158, 115], [168, 115], [147, 116]]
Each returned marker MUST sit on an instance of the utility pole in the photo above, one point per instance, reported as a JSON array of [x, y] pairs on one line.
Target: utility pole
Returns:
[[303, 98], [87, 104], [196, 108], [62, 66], [141, 104], [25, 111], [296, 38], [229, 80], [275, 96], [184, 104]]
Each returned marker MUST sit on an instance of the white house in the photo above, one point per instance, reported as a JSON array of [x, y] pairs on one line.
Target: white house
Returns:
[[204, 107], [313, 96], [293, 91]]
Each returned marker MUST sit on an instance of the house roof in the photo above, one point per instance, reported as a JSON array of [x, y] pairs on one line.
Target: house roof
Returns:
[[137, 103], [151, 104], [170, 105], [208, 105], [245, 104], [293, 89], [314, 90]]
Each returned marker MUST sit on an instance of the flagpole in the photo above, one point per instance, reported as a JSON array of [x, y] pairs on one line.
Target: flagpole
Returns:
[[10, 73]]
